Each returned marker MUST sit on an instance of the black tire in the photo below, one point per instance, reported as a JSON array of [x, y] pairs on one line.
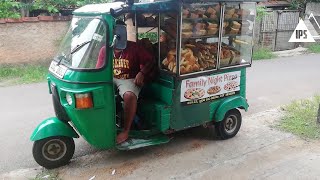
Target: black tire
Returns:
[[53, 152], [230, 125]]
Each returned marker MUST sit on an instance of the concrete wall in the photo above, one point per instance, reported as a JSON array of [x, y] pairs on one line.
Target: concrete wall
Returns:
[[30, 41]]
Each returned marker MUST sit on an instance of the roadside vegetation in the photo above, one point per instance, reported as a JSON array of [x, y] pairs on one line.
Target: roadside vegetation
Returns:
[[301, 118], [22, 73], [262, 53], [314, 48], [48, 175]]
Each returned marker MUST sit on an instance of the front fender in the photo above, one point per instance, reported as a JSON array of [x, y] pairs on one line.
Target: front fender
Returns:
[[228, 104], [53, 127]]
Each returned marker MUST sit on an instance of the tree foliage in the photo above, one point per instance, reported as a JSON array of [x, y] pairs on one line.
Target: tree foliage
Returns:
[[9, 9], [13, 8]]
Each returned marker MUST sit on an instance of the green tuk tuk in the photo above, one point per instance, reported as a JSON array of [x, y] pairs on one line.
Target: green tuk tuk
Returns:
[[202, 50]]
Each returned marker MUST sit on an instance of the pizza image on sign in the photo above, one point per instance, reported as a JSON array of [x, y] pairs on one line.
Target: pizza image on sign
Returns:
[[214, 90], [194, 93], [231, 86]]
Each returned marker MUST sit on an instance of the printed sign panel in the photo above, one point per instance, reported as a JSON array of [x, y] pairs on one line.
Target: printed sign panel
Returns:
[[208, 88]]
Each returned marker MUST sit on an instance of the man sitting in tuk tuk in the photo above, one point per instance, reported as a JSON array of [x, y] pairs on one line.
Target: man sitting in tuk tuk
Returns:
[[131, 68]]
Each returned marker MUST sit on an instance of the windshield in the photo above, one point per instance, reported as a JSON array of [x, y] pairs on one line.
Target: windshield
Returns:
[[81, 46]]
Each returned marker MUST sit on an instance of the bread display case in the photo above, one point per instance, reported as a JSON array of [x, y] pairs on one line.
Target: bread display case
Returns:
[[213, 36], [202, 36]]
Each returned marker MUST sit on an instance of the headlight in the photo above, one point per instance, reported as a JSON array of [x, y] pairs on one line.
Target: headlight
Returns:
[[69, 98]]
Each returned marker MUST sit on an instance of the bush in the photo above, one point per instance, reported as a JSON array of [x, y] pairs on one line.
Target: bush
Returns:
[[9, 9]]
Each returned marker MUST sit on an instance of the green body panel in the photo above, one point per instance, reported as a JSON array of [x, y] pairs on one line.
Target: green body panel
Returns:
[[156, 113], [228, 104], [52, 127], [97, 124], [157, 101]]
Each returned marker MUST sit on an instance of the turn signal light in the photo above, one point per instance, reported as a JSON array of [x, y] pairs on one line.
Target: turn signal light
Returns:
[[84, 101]]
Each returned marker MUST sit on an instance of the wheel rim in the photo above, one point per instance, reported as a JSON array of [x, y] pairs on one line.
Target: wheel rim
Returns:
[[54, 150], [230, 124]]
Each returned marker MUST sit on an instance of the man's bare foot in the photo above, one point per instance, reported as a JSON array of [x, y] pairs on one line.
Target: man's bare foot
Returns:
[[122, 137]]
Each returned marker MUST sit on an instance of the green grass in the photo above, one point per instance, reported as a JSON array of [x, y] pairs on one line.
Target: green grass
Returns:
[[23, 73], [301, 118], [262, 53], [48, 175], [314, 48]]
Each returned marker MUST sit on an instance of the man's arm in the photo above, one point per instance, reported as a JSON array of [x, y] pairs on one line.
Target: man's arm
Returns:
[[147, 62]]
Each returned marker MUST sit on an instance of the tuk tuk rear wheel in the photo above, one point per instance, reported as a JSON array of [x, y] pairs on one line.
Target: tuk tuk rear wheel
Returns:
[[230, 125], [53, 152]]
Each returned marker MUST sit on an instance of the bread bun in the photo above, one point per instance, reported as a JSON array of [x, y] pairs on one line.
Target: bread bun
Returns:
[[200, 11], [174, 70], [187, 27], [195, 67], [183, 70], [230, 11], [227, 16], [165, 62], [210, 10], [200, 26], [212, 25], [194, 16], [217, 8], [187, 34], [212, 31], [171, 58], [172, 52], [236, 25], [185, 12], [188, 68], [235, 16], [171, 66], [213, 16], [204, 16], [201, 32], [234, 31], [225, 24]]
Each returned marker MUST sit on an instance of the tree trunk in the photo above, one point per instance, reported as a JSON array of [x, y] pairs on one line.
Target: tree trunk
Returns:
[[25, 9]]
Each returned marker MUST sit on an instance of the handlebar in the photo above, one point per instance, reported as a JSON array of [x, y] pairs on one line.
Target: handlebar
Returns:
[[117, 12]]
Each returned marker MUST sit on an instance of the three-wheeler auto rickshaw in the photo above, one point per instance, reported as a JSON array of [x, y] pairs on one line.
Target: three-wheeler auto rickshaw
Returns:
[[202, 50]]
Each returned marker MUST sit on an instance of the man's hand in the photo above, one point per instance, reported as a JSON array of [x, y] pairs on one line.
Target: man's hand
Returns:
[[139, 80]]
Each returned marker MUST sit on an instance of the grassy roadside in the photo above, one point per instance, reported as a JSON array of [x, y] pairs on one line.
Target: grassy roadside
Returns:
[[22, 73], [300, 118], [262, 53], [314, 48], [48, 175]]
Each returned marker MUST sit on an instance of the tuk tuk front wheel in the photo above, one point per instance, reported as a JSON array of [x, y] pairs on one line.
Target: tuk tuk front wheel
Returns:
[[53, 152], [230, 125]]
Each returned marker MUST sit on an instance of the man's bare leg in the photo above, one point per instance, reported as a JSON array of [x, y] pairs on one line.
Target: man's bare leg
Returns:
[[130, 107]]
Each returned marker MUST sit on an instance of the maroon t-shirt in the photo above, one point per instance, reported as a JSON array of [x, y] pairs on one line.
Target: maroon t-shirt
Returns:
[[128, 63]]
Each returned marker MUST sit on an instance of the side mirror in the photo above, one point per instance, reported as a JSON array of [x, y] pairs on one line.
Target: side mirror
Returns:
[[120, 37]]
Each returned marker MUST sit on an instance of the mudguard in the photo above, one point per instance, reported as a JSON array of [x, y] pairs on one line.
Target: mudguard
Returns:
[[228, 104], [53, 127]]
